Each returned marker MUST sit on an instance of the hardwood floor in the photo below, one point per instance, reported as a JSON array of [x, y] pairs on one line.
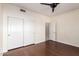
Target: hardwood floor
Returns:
[[48, 48]]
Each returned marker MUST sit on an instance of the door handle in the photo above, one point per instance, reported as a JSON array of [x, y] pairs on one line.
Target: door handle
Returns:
[[8, 34]]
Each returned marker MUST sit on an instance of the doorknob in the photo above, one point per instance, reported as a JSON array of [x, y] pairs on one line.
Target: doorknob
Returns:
[[8, 34]]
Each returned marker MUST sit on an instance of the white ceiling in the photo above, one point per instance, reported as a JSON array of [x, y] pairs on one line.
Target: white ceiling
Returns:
[[46, 10]]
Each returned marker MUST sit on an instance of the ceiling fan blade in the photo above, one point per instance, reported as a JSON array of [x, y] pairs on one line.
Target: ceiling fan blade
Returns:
[[52, 5], [57, 4], [44, 3]]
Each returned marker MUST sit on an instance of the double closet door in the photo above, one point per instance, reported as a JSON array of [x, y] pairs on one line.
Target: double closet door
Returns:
[[16, 33]]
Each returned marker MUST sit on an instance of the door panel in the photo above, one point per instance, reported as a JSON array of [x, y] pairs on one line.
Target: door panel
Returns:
[[15, 32], [52, 31], [28, 32]]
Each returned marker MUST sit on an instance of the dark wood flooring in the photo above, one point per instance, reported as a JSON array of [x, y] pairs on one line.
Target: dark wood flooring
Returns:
[[48, 48]]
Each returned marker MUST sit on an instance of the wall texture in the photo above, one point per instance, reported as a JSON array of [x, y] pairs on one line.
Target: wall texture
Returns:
[[67, 28]]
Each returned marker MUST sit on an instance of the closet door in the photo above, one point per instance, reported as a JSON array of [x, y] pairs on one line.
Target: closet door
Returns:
[[15, 32], [28, 32]]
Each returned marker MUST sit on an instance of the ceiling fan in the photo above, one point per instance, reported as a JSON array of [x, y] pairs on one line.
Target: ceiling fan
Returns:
[[52, 5]]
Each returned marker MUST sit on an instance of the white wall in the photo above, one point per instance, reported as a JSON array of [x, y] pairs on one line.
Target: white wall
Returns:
[[1, 27], [29, 17], [67, 29], [40, 27]]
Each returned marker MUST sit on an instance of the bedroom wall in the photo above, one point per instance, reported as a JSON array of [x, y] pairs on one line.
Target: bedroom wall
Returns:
[[36, 19], [66, 26]]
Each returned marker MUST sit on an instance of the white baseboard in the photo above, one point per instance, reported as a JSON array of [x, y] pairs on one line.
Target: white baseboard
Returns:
[[39, 41]]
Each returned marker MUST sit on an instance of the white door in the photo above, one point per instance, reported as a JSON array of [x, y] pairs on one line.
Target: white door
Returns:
[[53, 31], [28, 32], [15, 32]]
